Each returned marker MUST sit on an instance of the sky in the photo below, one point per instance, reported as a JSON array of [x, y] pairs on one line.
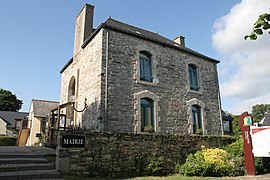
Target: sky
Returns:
[[36, 41]]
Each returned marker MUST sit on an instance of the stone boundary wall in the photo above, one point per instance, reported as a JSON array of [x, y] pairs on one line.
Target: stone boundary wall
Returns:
[[120, 155]]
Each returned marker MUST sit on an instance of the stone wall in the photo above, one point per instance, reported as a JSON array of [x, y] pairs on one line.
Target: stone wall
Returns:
[[121, 155], [171, 88], [87, 71]]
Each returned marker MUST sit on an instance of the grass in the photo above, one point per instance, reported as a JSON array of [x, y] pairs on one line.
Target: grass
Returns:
[[172, 177]]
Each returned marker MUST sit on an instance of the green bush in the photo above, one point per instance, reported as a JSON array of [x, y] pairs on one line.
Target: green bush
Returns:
[[7, 141], [206, 162], [156, 166]]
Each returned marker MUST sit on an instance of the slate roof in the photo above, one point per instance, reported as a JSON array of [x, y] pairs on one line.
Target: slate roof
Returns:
[[140, 33], [151, 36], [42, 107], [266, 120], [226, 116], [10, 116]]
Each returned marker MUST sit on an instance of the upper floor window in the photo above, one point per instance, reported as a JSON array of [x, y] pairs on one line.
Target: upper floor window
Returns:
[[145, 67], [193, 77], [147, 115], [197, 119]]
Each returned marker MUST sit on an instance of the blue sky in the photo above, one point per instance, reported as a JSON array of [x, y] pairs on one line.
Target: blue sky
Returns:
[[36, 38]]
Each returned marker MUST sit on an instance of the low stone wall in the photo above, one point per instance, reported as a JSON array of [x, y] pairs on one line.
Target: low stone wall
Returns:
[[122, 155]]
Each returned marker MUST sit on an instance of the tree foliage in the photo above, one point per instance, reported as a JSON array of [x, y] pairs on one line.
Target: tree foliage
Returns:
[[9, 101], [261, 25], [259, 110]]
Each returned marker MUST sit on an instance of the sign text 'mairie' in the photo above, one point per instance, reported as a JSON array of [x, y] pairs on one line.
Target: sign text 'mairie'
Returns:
[[73, 141]]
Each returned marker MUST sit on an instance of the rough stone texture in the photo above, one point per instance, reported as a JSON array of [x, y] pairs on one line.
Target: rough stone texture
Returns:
[[87, 70], [171, 86], [117, 155]]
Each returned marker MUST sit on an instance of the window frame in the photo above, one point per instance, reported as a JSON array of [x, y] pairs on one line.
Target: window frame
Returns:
[[196, 118], [196, 103], [138, 79], [145, 66], [144, 106], [137, 124], [194, 83]]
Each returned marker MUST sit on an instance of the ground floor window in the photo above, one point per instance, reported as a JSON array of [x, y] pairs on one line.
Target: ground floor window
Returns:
[[147, 115], [197, 119]]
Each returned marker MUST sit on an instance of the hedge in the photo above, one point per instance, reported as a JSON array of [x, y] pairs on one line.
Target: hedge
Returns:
[[7, 141]]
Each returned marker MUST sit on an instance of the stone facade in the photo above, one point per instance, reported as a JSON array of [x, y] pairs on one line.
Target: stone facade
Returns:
[[126, 155], [106, 71]]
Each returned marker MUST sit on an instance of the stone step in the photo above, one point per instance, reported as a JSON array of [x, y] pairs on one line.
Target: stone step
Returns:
[[36, 174], [20, 155], [24, 167], [22, 160]]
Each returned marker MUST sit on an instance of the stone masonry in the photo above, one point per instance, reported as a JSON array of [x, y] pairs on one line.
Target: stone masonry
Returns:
[[127, 154], [107, 72]]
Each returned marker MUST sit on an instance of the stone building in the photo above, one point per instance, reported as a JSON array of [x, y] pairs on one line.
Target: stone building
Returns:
[[132, 80]]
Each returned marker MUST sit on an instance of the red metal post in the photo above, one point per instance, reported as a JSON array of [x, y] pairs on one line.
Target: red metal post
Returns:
[[248, 155]]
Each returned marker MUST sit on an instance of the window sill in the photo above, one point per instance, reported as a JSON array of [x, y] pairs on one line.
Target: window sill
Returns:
[[145, 133], [195, 92], [146, 83]]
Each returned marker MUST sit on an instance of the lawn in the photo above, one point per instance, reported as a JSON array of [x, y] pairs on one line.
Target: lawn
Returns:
[[172, 177]]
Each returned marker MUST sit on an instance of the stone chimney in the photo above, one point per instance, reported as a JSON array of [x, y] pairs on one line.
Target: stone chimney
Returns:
[[84, 26], [180, 40]]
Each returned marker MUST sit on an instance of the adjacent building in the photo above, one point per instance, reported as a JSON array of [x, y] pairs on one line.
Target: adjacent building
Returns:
[[10, 122], [39, 110], [130, 80]]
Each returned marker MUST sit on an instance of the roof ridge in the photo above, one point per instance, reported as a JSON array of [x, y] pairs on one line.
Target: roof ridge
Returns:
[[41, 100], [118, 21]]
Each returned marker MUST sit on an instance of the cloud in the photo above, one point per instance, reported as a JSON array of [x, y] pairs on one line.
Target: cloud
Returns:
[[245, 65]]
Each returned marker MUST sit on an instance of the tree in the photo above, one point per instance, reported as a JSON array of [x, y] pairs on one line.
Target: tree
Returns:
[[259, 111], [9, 101], [262, 24]]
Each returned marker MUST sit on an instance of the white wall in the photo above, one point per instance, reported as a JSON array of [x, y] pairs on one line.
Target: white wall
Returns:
[[34, 128], [3, 127]]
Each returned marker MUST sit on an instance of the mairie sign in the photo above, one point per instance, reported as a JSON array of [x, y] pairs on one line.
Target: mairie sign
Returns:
[[73, 141]]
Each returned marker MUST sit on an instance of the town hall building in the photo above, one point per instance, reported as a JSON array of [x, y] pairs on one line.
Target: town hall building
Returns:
[[126, 79]]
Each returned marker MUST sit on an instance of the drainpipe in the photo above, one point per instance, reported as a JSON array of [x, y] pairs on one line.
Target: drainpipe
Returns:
[[219, 104], [106, 81]]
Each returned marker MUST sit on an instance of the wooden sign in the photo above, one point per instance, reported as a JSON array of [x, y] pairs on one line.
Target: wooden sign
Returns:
[[248, 155], [73, 141]]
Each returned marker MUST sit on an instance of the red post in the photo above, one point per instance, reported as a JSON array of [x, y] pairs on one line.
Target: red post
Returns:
[[248, 155]]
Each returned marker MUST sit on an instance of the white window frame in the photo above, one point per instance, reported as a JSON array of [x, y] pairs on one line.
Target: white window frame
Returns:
[[137, 109], [199, 103]]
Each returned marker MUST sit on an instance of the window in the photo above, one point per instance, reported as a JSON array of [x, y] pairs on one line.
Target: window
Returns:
[[197, 119], [18, 124], [145, 67], [146, 117], [147, 114], [193, 77], [70, 110]]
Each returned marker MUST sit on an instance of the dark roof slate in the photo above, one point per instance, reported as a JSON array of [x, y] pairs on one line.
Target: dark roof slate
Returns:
[[42, 107], [135, 31], [141, 33], [10, 116], [266, 121]]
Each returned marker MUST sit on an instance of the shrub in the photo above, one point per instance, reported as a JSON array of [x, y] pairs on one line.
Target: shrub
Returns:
[[236, 157], [156, 166], [206, 162], [7, 141]]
